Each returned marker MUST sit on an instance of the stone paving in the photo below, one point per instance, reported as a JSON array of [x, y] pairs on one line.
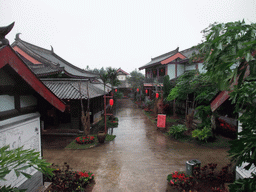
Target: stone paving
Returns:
[[139, 158]]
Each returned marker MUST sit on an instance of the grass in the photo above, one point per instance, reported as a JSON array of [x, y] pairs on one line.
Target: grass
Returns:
[[220, 142], [75, 145], [169, 120]]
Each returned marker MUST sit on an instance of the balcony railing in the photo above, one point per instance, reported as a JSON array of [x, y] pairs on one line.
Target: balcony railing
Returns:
[[155, 80]]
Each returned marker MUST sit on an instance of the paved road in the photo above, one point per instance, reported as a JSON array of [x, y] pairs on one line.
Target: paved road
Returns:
[[140, 157]]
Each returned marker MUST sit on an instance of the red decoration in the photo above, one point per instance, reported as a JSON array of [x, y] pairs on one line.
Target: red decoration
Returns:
[[157, 95], [111, 102], [115, 90], [138, 89], [161, 120], [146, 91]]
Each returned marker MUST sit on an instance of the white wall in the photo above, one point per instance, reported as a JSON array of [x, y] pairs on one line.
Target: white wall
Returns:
[[121, 77], [190, 67], [180, 69], [20, 131], [171, 71]]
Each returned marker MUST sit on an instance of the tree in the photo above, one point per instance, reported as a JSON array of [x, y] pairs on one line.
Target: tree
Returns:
[[229, 54], [167, 86], [112, 76], [136, 79]]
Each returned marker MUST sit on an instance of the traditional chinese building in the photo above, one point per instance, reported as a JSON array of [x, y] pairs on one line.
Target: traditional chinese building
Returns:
[[23, 99], [68, 82], [124, 86], [173, 63]]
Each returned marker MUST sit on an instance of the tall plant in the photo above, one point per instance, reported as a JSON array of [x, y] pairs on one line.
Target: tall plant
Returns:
[[229, 55], [19, 160]]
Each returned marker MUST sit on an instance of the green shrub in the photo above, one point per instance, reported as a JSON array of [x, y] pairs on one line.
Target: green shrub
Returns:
[[203, 134], [177, 130], [119, 95]]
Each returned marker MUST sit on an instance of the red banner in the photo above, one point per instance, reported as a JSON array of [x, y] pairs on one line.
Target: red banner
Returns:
[[161, 120]]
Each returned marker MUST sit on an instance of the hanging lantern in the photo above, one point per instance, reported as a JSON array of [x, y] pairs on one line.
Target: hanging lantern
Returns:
[[138, 89], [146, 91], [111, 102], [157, 95], [115, 90]]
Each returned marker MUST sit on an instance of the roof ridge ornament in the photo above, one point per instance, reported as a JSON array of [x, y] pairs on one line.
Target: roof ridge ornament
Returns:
[[3, 32], [52, 49], [17, 36]]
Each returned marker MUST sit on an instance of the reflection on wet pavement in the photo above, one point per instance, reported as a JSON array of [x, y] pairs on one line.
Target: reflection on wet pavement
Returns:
[[140, 157]]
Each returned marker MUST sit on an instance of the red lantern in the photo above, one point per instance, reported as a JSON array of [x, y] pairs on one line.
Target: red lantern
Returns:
[[115, 90], [111, 102], [138, 89], [157, 95], [146, 91]]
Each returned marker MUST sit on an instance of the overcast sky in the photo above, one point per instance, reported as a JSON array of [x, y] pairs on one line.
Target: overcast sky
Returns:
[[118, 33]]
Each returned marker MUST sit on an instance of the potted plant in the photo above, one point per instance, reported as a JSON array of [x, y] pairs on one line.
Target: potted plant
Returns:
[[101, 136]]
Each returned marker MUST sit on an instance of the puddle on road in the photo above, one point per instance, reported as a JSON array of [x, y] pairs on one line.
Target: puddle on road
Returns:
[[139, 158]]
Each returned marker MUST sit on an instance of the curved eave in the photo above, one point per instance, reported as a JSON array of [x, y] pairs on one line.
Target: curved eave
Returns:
[[9, 57]]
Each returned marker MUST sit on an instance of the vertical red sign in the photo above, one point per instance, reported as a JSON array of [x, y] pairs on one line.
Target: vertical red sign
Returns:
[[161, 120]]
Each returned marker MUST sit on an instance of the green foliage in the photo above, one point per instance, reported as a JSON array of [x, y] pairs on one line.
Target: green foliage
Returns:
[[20, 159], [227, 54], [166, 86], [244, 185], [203, 134], [183, 87], [11, 189], [119, 95], [227, 50], [243, 149], [204, 88], [112, 77], [177, 131], [65, 179], [204, 113], [136, 79]]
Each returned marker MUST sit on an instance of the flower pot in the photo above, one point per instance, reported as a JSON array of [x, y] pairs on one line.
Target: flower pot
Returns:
[[101, 136]]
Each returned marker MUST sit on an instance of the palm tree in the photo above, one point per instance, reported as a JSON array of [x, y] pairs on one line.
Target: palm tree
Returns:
[[112, 74]]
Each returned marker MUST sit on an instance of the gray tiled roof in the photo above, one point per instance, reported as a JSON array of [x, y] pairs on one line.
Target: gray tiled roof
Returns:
[[187, 53], [160, 58], [49, 57], [42, 69], [70, 89]]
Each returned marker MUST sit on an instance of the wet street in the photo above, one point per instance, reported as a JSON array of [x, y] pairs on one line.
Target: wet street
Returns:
[[139, 158]]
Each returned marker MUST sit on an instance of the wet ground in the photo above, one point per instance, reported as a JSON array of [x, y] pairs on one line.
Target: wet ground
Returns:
[[139, 158]]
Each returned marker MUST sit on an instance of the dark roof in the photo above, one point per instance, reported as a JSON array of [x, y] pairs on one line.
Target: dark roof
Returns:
[[189, 52], [121, 72], [160, 58], [70, 88], [157, 60], [10, 57], [49, 58]]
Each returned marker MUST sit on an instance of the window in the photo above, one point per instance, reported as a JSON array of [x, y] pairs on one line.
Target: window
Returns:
[[154, 72], [162, 71], [6, 103]]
